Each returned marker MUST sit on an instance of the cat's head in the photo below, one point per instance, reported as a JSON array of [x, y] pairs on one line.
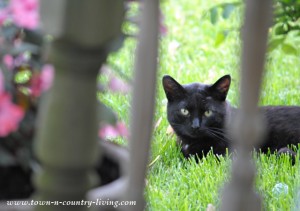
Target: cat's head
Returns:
[[195, 109]]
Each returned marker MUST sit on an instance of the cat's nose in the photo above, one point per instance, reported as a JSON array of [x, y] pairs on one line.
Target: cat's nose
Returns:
[[196, 123]]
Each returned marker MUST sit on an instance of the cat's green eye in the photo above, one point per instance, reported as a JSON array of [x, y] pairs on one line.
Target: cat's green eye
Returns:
[[184, 112], [208, 113]]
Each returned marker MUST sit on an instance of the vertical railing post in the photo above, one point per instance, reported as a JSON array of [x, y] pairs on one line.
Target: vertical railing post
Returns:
[[247, 127], [66, 142], [143, 101], [67, 146]]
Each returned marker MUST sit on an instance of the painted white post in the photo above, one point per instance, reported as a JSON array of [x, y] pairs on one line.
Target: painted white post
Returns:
[[66, 143], [143, 101], [247, 128]]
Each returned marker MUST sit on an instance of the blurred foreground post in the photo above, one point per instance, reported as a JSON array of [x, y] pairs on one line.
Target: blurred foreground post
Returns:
[[66, 143], [247, 128], [143, 101]]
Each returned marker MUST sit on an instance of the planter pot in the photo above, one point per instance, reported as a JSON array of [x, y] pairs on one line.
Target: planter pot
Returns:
[[113, 190], [111, 171]]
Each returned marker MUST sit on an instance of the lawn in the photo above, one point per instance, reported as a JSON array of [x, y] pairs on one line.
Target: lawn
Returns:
[[189, 53]]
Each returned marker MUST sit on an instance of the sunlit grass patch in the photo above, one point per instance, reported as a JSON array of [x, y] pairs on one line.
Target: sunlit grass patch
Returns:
[[189, 54]]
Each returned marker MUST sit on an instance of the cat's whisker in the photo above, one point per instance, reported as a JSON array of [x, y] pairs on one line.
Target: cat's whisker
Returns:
[[174, 124], [220, 135], [219, 130]]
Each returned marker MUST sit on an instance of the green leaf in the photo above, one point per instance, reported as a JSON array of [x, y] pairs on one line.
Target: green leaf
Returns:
[[275, 42], [25, 90], [23, 76], [289, 49], [214, 16], [220, 38], [227, 10], [280, 29]]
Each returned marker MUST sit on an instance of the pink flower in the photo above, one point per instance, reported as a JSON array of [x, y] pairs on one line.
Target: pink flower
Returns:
[[10, 115], [111, 131], [108, 131], [42, 82], [36, 85], [122, 129], [25, 13], [8, 60], [117, 85]]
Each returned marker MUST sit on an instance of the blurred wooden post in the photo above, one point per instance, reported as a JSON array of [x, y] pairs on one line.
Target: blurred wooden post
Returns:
[[247, 128], [66, 143], [143, 101]]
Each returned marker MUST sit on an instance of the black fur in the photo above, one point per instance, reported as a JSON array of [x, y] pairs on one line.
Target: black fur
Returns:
[[200, 126]]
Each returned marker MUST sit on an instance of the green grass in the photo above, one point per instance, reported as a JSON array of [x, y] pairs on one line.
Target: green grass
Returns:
[[188, 53]]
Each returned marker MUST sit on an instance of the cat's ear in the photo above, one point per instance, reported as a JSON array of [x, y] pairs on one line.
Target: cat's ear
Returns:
[[220, 88], [172, 88]]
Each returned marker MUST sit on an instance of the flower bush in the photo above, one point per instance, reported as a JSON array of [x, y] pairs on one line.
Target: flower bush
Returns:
[[21, 81], [24, 77]]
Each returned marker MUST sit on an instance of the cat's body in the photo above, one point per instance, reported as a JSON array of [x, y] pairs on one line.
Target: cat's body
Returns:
[[283, 127], [198, 112]]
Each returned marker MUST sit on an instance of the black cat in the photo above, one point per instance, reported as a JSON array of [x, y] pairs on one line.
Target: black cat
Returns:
[[197, 113]]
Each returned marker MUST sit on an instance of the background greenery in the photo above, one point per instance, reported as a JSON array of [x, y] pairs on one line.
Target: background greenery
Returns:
[[194, 50]]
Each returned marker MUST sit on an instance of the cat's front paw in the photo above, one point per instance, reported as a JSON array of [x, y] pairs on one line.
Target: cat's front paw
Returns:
[[185, 150]]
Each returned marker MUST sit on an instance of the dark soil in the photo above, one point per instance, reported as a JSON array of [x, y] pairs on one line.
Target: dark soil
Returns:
[[15, 183], [108, 171]]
